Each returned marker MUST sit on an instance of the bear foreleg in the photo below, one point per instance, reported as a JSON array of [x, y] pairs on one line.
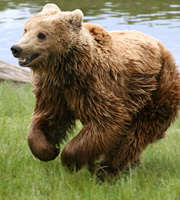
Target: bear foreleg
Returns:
[[85, 148], [39, 144]]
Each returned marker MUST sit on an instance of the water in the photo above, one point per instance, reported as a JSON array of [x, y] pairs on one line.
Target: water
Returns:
[[160, 19]]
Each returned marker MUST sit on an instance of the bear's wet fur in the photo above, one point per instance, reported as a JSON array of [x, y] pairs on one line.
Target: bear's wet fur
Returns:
[[123, 86]]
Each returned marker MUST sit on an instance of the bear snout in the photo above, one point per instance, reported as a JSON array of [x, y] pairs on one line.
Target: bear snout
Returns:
[[16, 50]]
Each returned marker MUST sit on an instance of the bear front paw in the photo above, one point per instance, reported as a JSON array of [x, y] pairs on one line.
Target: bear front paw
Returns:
[[106, 172], [71, 158], [41, 147]]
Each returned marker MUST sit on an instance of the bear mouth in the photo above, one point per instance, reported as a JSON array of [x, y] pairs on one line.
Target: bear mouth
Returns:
[[23, 61]]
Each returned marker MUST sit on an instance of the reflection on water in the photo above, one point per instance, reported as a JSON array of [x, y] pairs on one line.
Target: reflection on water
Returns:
[[160, 19]]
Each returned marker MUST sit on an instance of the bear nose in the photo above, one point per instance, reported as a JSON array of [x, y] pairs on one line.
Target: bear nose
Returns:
[[16, 50]]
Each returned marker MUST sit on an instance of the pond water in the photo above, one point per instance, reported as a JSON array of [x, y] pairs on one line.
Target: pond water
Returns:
[[158, 18]]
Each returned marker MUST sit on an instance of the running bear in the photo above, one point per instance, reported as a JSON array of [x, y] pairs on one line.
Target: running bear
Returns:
[[123, 86]]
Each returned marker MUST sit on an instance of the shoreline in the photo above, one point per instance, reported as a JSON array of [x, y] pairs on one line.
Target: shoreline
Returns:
[[14, 73]]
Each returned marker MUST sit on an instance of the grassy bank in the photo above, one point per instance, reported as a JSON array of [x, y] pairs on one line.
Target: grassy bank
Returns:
[[23, 177]]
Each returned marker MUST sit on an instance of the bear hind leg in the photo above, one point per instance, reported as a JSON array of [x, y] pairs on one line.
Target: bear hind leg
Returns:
[[118, 159]]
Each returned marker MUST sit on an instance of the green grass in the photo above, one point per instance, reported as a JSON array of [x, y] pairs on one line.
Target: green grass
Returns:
[[23, 177]]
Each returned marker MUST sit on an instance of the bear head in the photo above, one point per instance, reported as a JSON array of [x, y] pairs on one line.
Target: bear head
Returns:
[[47, 36]]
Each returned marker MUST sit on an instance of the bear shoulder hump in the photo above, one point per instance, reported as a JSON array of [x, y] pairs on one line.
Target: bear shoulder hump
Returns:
[[99, 34]]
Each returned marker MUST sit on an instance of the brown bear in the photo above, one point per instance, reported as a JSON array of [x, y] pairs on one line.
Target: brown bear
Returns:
[[123, 86]]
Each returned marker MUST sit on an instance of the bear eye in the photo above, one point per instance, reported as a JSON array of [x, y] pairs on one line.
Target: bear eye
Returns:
[[41, 36], [25, 30]]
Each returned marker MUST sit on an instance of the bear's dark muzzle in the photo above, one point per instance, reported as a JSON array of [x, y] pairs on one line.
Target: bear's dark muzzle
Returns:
[[16, 50]]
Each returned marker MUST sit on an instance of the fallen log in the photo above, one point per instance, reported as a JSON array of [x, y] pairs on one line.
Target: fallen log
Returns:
[[13, 73]]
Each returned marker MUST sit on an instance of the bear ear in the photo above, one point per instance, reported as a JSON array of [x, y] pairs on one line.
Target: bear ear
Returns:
[[76, 18], [50, 9]]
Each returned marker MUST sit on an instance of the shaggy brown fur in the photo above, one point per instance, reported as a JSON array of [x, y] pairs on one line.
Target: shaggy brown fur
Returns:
[[123, 86]]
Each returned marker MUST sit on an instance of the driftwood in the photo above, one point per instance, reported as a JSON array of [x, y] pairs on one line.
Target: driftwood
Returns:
[[13, 73]]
